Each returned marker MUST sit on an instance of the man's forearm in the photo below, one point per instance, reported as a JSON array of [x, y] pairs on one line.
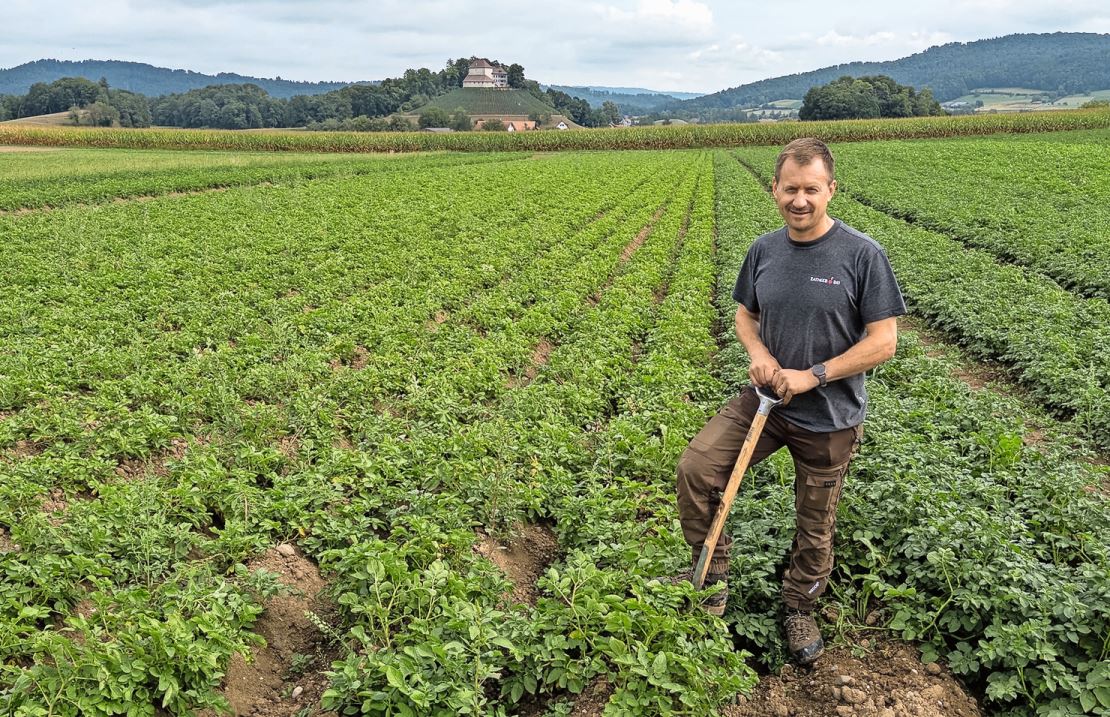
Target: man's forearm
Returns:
[[876, 346], [870, 351]]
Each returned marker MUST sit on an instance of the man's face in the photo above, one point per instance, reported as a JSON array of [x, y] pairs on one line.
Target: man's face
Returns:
[[802, 193]]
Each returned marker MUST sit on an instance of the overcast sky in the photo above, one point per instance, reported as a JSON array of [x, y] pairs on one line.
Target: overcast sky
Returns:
[[687, 45]]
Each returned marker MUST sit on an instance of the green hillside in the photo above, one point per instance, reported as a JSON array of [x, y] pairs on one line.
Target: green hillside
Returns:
[[147, 79], [486, 101], [1067, 63]]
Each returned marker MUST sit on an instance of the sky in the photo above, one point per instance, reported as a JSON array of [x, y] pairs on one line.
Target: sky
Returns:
[[675, 45]]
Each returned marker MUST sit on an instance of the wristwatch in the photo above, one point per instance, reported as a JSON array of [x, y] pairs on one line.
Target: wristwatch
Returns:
[[819, 372]]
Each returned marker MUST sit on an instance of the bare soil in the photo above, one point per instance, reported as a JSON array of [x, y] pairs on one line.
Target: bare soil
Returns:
[[56, 502], [22, 450], [296, 652], [437, 320], [627, 252], [889, 680], [978, 375], [7, 545], [540, 355], [289, 446], [524, 559], [361, 358], [592, 701], [631, 247], [137, 469]]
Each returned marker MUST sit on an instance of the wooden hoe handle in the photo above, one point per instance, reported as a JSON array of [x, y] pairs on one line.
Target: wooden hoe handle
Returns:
[[767, 401]]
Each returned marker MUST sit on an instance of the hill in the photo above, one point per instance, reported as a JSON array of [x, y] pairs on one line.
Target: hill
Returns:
[[147, 79], [631, 97], [478, 101], [635, 91], [1068, 63]]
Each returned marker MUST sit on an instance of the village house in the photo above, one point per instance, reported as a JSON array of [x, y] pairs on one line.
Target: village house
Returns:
[[483, 74]]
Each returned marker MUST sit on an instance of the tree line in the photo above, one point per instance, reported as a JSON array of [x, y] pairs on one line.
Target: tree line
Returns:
[[376, 107], [366, 107], [88, 102], [870, 97]]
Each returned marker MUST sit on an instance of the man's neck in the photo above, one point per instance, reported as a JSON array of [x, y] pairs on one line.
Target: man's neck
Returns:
[[815, 233]]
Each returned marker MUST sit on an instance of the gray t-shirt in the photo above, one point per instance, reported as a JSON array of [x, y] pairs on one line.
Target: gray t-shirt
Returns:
[[813, 300]]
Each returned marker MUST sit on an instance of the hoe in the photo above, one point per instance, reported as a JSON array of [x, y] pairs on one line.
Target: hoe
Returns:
[[767, 401]]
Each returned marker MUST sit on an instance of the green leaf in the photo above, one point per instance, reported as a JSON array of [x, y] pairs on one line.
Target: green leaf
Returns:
[[659, 665], [394, 678]]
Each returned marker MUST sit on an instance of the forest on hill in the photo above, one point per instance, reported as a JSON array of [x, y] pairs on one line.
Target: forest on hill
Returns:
[[1066, 63], [248, 106]]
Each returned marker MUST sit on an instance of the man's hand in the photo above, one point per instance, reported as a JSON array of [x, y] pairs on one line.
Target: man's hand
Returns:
[[788, 383], [763, 369]]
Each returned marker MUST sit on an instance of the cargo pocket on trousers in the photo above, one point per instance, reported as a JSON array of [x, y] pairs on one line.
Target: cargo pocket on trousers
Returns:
[[821, 492]]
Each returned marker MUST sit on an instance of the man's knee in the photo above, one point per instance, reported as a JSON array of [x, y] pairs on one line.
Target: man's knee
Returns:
[[698, 477], [696, 470]]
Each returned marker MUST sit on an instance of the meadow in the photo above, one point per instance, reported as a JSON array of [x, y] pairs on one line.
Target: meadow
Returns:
[[393, 371]]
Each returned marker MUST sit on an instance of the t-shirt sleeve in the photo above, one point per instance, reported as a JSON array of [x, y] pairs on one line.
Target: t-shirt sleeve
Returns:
[[880, 298], [744, 291]]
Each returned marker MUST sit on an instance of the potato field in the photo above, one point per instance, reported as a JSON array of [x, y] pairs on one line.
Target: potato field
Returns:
[[365, 434]]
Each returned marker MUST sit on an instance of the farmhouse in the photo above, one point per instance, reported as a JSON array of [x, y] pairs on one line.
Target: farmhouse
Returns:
[[483, 74]]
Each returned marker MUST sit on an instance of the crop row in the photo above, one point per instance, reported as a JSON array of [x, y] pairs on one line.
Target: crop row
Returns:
[[517, 451], [673, 137], [952, 531], [92, 176], [1043, 205], [1056, 341]]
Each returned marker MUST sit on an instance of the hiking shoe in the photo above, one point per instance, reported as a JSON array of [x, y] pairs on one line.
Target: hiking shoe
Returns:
[[715, 603], [803, 637]]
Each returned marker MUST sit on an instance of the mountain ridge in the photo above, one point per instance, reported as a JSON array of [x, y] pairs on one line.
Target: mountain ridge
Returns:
[[155, 81], [1065, 62], [148, 79]]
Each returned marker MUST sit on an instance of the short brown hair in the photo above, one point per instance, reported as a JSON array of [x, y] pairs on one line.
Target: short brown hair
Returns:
[[803, 151]]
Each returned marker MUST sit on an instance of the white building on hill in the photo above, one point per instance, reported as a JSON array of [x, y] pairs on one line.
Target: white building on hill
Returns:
[[483, 74]]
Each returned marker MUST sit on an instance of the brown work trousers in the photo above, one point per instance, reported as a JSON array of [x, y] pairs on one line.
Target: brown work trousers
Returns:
[[820, 464]]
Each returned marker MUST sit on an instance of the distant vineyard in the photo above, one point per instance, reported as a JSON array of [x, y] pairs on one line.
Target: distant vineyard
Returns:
[[670, 137]]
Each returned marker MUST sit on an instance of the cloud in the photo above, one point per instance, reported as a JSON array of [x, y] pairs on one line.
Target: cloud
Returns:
[[661, 44], [662, 23]]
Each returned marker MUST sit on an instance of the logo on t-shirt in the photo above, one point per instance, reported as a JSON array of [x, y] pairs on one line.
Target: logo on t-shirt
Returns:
[[831, 281]]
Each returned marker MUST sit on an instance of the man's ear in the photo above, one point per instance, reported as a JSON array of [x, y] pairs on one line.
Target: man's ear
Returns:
[[832, 187]]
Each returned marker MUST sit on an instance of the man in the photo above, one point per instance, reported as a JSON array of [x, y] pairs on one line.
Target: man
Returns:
[[818, 307]]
